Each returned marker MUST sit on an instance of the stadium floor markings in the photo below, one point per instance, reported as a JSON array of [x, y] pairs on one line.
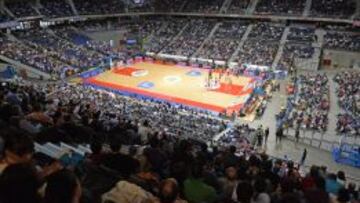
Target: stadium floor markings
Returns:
[[174, 84]]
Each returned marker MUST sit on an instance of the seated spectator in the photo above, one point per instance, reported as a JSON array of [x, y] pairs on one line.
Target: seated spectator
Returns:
[[243, 193], [224, 42], [342, 41], [206, 6], [20, 183], [343, 196], [169, 192], [190, 39], [238, 6], [333, 8], [280, 7], [62, 187], [301, 34], [311, 107], [260, 195], [92, 7], [55, 8], [195, 190], [165, 35], [18, 148], [97, 155], [4, 17], [317, 194], [349, 99], [229, 182], [20, 9], [332, 186]]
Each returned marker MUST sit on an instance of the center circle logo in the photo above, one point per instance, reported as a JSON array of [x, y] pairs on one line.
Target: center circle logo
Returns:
[[140, 73], [172, 79]]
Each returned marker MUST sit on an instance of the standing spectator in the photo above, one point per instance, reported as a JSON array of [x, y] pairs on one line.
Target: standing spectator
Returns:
[[260, 134], [267, 132], [303, 157], [297, 134], [279, 134]]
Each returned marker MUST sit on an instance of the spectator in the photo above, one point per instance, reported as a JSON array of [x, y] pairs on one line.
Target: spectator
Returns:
[[195, 190], [244, 192], [20, 183], [229, 182], [62, 187], [18, 148], [332, 186], [260, 195], [169, 192]]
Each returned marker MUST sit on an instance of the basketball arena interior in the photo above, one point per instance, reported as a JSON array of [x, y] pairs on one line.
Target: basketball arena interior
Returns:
[[179, 101]]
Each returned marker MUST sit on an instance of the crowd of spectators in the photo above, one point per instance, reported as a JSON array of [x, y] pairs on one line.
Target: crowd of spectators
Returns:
[[271, 32], [238, 6], [4, 17], [168, 5], [21, 9], [190, 39], [301, 34], [78, 57], [294, 51], [261, 45], [348, 92], [55, 8], [98, 26], [342, 41], [204, 6], [164, 36], [145, 28], [74, 36], [52, 8], [310, 106], [94, 7], [298, 46], [224, 41], [35, 57], [280, 7], [160, 168], [257, 52], [333, 8], [162, 115]]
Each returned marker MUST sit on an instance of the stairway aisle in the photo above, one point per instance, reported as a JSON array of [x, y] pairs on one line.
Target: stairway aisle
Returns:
[[307, 8], [73, 8], [281, 48], [242, 41], [207, 39], [225, 6], [177, 36], [252, 6]]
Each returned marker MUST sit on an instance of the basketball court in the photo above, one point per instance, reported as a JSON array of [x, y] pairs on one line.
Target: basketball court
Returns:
[[178, 84]]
